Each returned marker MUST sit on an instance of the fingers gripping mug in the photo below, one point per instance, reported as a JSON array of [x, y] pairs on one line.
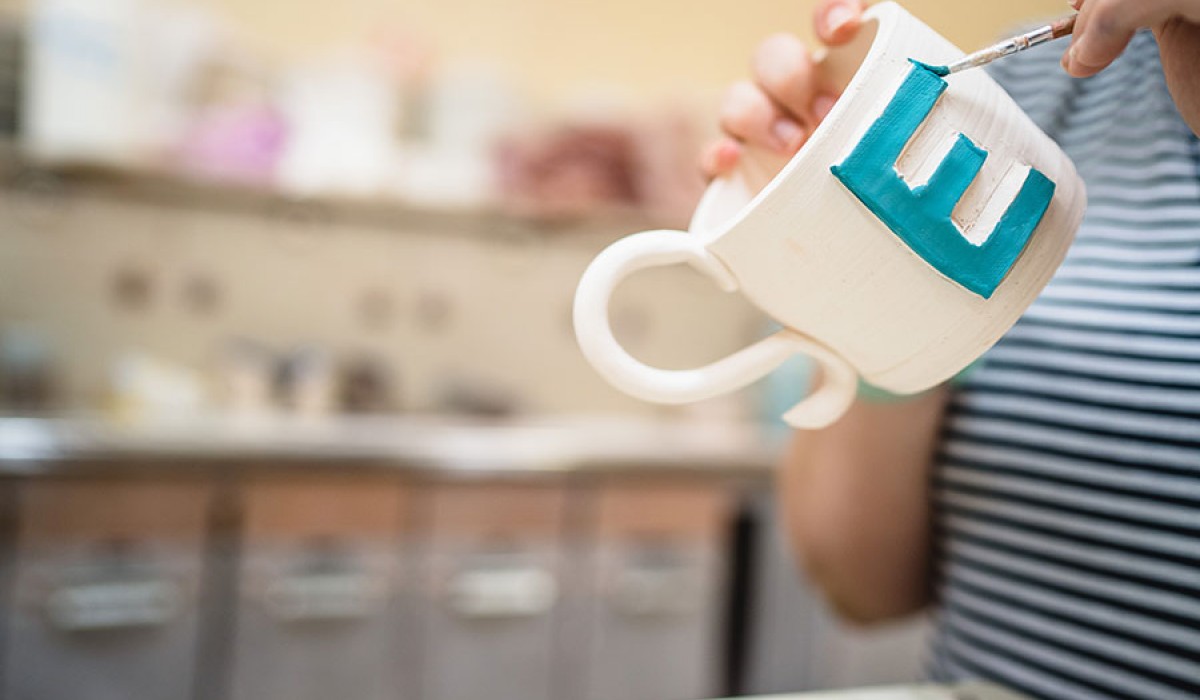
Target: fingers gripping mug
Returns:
[[911, 231]]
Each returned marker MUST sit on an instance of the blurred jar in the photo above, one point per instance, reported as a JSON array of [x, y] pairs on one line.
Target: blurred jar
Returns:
[[82, 81], [305, 382], [341, 113], [145, 387], [234, 133], [26, 371], [246, 378]]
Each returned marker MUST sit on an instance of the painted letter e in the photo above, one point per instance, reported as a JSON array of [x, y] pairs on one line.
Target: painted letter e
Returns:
[[921, 216]]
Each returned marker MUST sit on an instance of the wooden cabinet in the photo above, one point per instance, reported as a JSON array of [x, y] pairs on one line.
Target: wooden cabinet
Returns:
[[366, 587], [106, 590], [323, 603]]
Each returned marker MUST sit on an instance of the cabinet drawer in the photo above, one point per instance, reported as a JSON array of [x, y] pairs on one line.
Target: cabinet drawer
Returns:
[[298, 509], [322, 598], [492, 589], [657, 564], [62, 512], [106, 589], [666, 510]]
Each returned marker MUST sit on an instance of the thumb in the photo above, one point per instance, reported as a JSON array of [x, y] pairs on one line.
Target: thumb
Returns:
[[1106, 26]]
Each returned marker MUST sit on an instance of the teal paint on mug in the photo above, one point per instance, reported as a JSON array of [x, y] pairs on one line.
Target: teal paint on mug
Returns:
[[921, 216]]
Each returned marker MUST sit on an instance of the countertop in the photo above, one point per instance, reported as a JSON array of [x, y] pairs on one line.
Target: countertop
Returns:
[[442, 446]]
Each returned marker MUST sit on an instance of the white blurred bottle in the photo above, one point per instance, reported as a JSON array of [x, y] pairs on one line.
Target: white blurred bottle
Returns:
[[468, 105], [82, 82], [342, 111]]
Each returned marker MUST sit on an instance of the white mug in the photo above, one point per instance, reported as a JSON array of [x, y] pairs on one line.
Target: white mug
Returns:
[[901, 267]]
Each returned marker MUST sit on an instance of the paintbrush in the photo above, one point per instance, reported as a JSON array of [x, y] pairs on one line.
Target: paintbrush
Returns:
[[1061, 28]]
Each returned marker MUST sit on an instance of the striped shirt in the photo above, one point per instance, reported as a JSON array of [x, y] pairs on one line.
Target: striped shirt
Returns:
[[1067, 485]]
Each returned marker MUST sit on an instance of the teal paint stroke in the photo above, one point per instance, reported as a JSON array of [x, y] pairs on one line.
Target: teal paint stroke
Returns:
[[921, 217], [942, 71]]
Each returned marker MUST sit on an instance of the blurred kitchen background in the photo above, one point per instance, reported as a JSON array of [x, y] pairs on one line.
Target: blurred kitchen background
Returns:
[[292, 406]]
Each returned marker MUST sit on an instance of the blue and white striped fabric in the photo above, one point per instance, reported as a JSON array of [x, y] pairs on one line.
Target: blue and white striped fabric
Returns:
[[1067, 487]]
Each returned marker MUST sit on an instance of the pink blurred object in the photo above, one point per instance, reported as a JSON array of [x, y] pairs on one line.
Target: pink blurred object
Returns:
[[234, 143], [577, 169], [568, 171]]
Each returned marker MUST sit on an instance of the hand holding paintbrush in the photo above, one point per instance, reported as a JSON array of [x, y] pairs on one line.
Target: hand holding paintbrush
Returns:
[[1105, 28]]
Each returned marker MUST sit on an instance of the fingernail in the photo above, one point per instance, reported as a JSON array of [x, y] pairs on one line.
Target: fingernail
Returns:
[[837, 17], [1071, 60], [788, 134], [727, 157], [1080, 57], [823, 105]]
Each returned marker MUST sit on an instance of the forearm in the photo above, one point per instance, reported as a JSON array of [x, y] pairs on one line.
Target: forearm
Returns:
[[856, 500]]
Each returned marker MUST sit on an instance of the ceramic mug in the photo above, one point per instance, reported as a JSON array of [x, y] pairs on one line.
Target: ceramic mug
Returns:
[[911, 231]]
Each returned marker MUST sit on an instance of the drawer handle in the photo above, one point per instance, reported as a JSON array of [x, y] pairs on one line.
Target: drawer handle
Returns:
[[502, 593], [343, 595], [114, 605], [655, 592]]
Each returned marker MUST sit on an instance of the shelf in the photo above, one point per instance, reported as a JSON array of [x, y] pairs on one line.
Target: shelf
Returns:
[[174, 191]]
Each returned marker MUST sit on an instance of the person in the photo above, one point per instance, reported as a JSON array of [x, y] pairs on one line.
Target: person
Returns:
[[1047, 506]]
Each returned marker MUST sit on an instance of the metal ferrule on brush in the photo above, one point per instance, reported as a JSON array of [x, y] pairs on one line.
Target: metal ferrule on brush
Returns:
[[1013, 45]]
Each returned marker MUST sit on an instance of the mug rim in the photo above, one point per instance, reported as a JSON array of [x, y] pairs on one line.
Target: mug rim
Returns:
[[886, 16]]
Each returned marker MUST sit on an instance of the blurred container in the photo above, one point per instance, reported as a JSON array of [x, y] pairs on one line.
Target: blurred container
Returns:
[[305, 382], [323, 609], [234, 143], [342, 113], [184, 42], [83, 82], [12, 61], [229, 129], [366, 386], [470, 105], [27, 382], [569, 170], [467, 107], [107, 590], [146, 387], [246, 374]]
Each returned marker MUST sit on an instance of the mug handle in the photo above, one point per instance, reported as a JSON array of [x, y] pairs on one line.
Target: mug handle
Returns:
[[658, 248]]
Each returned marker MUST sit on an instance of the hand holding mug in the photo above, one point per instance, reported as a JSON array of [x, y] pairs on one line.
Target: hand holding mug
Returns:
[[785, 101], [919, 218]]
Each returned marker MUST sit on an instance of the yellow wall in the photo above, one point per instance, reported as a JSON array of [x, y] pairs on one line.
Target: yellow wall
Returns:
[[553, 47]]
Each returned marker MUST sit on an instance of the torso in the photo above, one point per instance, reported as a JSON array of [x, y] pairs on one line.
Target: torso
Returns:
[[1067, 489]]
